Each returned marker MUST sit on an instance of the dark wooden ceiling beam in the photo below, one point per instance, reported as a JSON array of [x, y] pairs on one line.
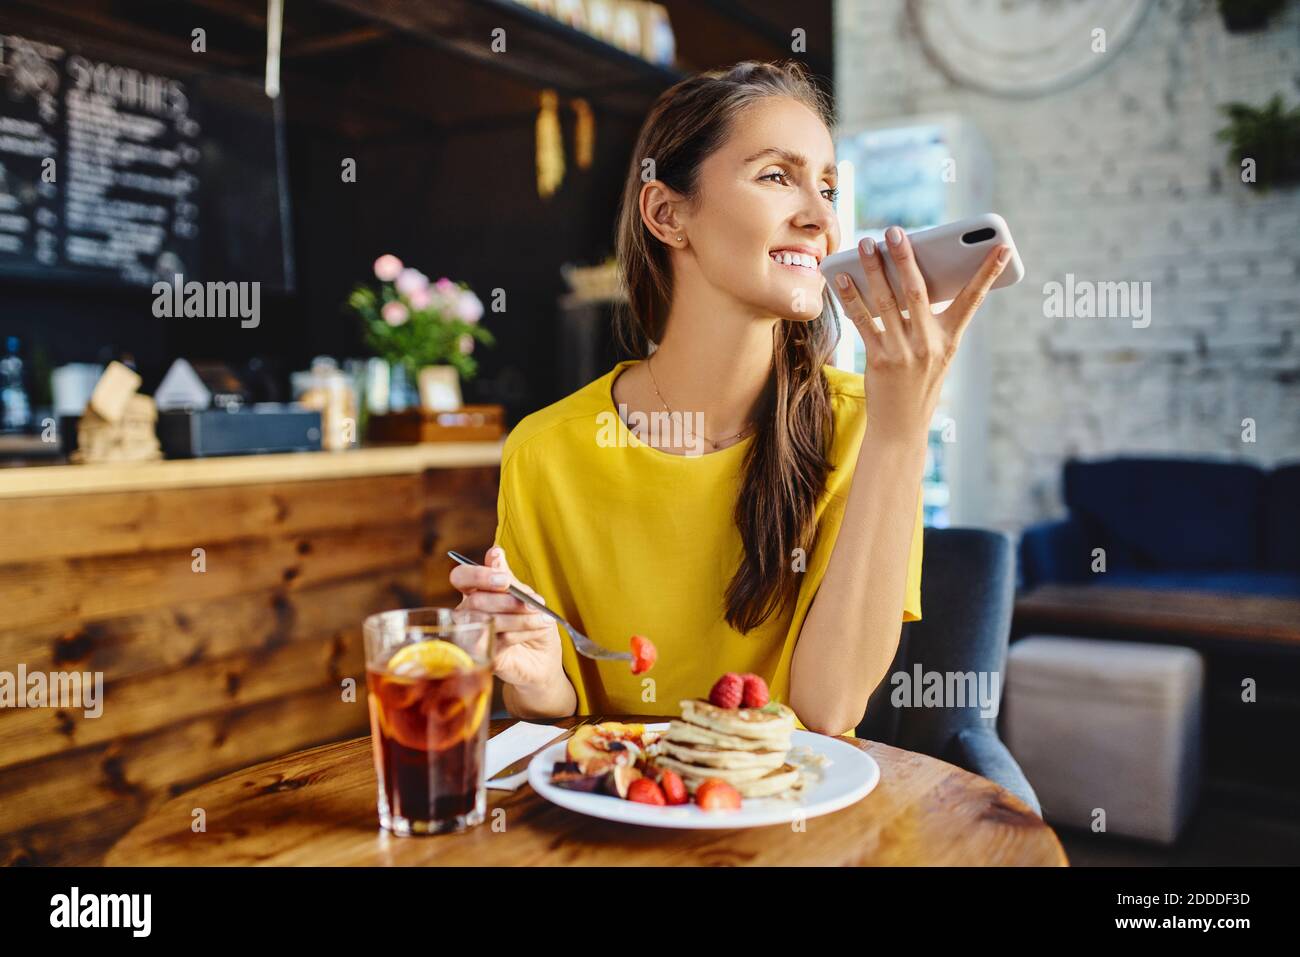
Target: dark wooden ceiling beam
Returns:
[[75, 18], [334, 43], [318, 101], [239, 12], [779, 35], [540, 51]]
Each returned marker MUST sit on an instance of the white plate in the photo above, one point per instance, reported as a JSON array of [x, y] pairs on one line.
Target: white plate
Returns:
[[848, 776]]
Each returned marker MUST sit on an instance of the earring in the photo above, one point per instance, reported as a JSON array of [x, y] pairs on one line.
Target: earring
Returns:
[[679, 239]]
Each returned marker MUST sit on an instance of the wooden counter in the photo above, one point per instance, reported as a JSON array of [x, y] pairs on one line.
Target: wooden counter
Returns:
[[222, 601], [246, 469]]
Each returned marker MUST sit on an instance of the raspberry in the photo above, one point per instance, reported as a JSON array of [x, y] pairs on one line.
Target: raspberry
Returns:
[[755, 693], [727, 691]]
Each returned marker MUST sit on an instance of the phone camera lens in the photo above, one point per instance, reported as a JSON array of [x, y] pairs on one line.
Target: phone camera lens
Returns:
[[979, 236]]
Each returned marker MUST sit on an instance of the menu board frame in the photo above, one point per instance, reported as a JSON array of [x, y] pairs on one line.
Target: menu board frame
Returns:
[[177, 94]]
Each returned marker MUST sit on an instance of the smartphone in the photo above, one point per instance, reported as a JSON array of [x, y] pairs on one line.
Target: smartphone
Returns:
[[947, 256]]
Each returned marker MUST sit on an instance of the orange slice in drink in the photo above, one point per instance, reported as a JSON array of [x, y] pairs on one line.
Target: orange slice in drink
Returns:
[[430, 659], [472, 723], [456, 715], [418, 699]]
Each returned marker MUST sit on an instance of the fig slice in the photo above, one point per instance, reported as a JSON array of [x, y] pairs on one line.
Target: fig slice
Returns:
[[565, 775], [618, 780]]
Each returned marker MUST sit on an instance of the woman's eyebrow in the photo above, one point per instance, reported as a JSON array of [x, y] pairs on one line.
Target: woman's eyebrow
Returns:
[[796, 159]]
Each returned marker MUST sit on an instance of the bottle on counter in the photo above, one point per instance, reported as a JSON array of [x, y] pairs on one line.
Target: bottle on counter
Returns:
[[328, 389], [17, 414]]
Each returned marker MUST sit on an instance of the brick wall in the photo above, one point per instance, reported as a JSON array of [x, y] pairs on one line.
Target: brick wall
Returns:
[[1120, 178]]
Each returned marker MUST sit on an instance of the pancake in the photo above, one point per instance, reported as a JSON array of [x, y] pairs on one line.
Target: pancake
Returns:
[[752, 723], [682, 732], [751, 782], [786, 778], [745, 747], [714, 758], [696, 773]]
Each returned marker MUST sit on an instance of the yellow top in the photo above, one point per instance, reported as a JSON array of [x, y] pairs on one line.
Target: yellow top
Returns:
[[622, 538]]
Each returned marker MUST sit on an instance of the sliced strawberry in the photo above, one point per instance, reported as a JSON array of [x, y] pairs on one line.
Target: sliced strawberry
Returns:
[[674, 788], [646, 791], [727, 691], [755, 693], [644, 654], [717, 795]]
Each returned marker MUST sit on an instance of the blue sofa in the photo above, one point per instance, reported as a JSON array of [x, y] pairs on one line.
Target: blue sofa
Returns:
[[1172, 523]]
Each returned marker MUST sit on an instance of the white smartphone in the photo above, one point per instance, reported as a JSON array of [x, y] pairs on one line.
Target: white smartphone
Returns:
[[947, 256]]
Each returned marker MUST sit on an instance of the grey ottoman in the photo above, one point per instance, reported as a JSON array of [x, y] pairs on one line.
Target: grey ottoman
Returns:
[[1107, 732]]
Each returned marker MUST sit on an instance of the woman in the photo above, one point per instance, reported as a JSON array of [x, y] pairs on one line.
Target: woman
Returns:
[[727, 494]]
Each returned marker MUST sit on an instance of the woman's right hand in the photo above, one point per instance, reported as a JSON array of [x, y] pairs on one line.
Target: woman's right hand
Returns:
[[528, 652]]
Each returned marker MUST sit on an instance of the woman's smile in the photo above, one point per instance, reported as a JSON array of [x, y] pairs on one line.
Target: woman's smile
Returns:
[[799, 260]]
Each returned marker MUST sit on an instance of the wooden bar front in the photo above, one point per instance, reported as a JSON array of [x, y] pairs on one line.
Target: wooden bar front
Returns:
[[225, 619]]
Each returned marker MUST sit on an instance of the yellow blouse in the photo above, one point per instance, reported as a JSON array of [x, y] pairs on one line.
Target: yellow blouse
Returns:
[[622, 538]]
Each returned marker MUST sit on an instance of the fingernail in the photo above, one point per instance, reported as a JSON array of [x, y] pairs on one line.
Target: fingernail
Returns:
[[842, 280], [1003, 255], [499, 580], [880, 326], [894, 235], [868, 246]]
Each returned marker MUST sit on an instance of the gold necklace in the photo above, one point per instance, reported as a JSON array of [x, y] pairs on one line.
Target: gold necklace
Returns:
[[714, 442]]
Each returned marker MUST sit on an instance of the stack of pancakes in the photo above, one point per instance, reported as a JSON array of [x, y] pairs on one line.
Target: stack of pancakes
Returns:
[[746, 747]]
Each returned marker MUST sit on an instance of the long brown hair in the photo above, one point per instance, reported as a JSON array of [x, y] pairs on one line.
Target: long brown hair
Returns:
[[786, 466]]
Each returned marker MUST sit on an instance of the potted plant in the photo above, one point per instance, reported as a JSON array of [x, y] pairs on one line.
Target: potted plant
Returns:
[[1270, 136], [427, 328]]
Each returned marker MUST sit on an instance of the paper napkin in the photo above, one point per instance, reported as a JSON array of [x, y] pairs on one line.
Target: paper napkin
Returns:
[[512, 744]]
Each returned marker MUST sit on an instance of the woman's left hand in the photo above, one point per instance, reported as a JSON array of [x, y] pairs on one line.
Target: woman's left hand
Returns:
[[908, 356]]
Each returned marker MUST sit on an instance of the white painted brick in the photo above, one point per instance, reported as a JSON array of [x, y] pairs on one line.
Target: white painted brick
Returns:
[[1121, 177], [1279, 269]]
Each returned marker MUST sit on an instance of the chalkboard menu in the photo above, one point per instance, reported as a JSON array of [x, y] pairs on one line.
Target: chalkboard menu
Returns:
[[99, 168]]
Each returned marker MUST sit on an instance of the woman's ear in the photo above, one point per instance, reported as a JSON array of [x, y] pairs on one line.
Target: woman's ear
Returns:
[[659, 212]]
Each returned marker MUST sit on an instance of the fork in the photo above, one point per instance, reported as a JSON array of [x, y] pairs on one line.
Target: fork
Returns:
[[581, 643]]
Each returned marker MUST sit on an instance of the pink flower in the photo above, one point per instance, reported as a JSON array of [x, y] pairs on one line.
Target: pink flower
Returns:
[[466, 343], [409, 280], [387, 267], [444, 285], [469, 307], [420, 299], [395, 313]]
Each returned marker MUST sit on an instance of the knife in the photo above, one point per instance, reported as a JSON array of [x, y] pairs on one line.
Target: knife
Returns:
[[515, 767]]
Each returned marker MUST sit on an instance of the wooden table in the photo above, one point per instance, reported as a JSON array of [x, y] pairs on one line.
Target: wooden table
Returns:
[[1239, 637], [1106, 610], [317, 807]]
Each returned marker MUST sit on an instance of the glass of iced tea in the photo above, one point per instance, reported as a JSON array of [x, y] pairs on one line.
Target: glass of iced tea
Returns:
[[429, 687]]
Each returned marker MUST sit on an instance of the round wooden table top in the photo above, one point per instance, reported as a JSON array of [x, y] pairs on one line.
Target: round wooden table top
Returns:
[[317, 807]]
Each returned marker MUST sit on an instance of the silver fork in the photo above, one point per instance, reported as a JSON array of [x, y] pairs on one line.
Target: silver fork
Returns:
[[581, 643]]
